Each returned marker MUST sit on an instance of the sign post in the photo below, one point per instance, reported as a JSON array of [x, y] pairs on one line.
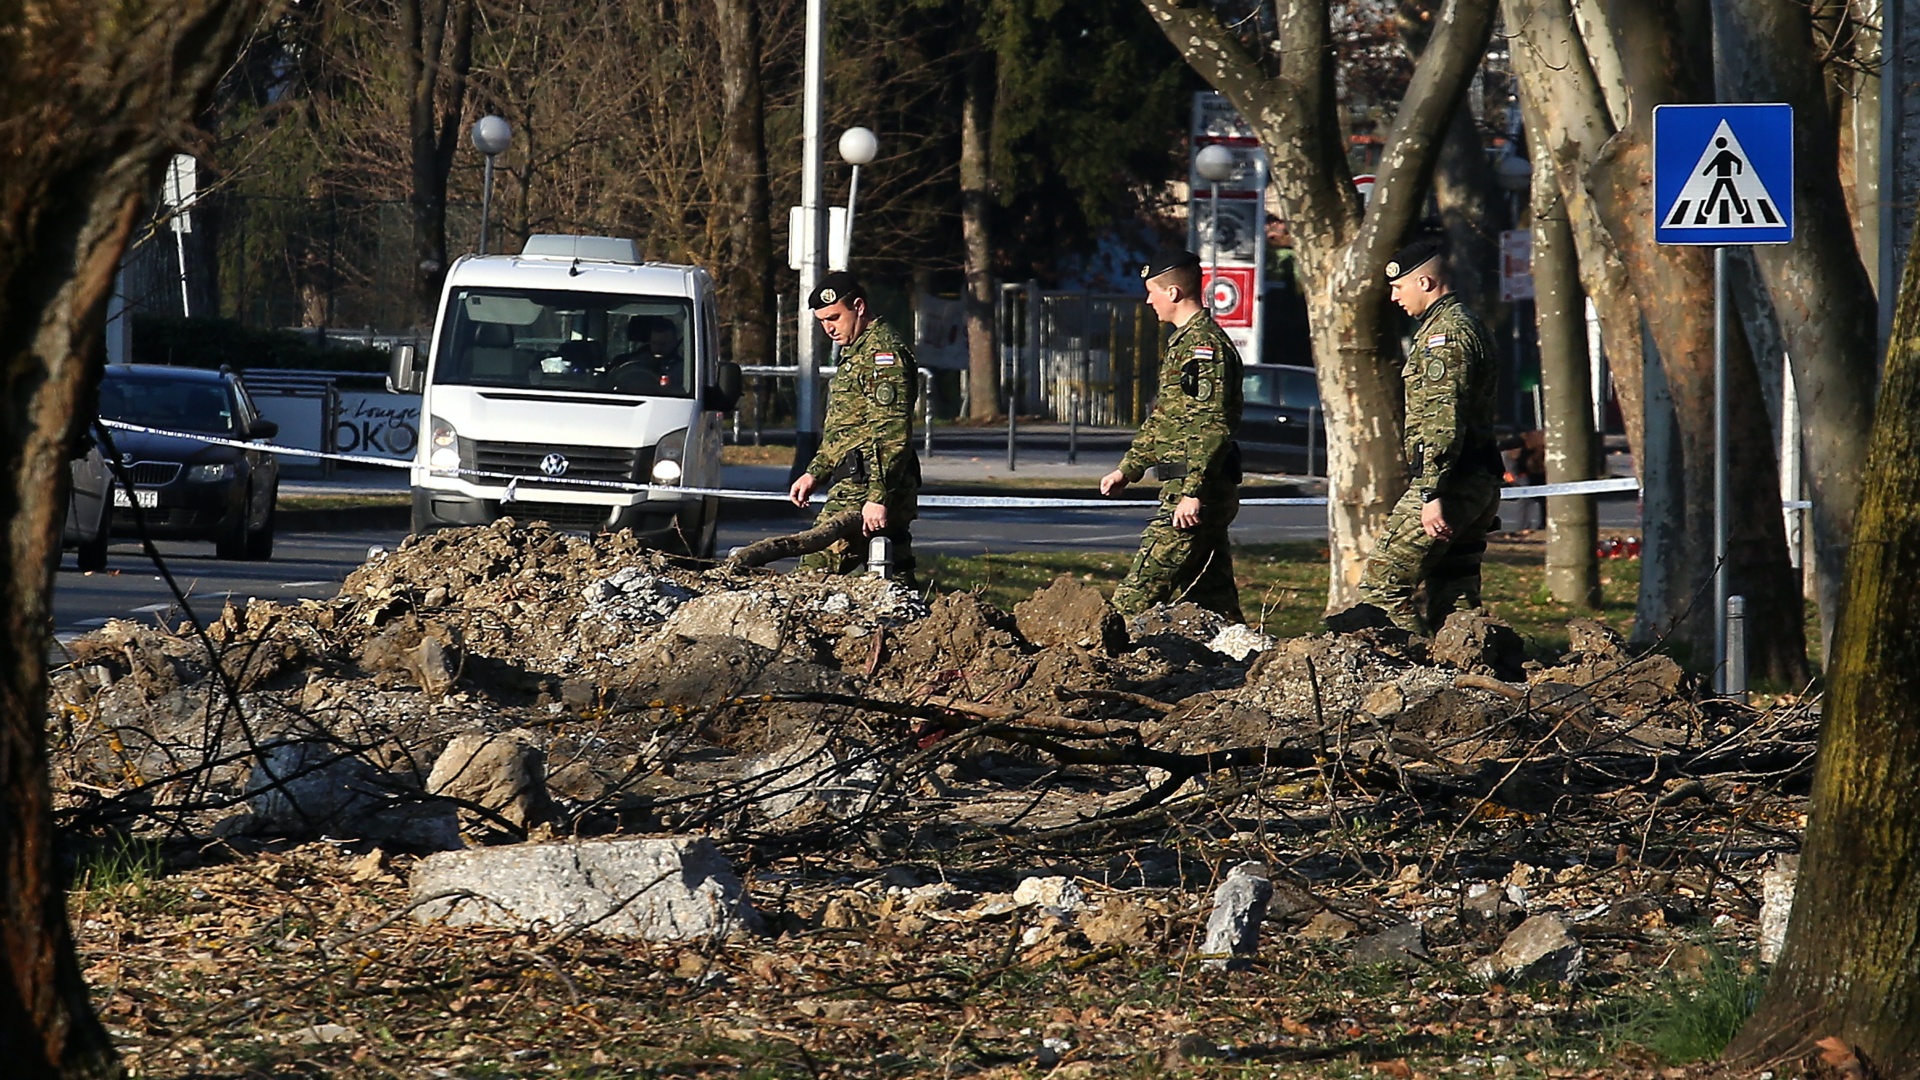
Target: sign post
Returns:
[[1722, 174], [1231, 239]]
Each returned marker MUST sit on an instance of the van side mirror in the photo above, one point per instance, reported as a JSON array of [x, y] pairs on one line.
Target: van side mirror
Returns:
[[263, 429], [724, 394], [403, 373]]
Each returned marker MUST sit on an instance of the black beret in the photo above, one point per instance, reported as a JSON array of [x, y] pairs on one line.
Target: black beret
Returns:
[[1171, 260], [1414, 256], [836, 287]]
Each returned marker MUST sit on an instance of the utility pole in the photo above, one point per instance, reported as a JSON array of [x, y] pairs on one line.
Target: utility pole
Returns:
[[813, 244]]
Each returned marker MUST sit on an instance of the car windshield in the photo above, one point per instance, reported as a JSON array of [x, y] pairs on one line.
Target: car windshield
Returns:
[[196, 405], [635, 346], [1275, 385]]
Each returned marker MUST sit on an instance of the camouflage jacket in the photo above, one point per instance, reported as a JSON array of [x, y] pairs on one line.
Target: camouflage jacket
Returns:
[[1196, 415], [1451, 385], [869, 422]]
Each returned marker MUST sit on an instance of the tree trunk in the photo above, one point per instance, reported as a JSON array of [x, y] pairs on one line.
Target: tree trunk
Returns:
[[1573, 572], [749, 273], [976, 209], [1342, 247], [92, 92], [1819, 286], [437, 46], [1558, 81], [1847, 968]]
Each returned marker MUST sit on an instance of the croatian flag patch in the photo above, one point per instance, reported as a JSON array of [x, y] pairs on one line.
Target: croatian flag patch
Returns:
[[1203, 352], [882, 359], [1437, 339]]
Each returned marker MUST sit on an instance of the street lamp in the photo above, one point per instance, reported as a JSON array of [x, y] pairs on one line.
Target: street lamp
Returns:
[[1215, 163], [858, 146], [491, 134]]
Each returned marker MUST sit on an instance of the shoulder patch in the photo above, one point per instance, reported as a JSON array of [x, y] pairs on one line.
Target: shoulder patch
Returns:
[[1436, 370], [883, 359], [1436, 339], [1203, 352]]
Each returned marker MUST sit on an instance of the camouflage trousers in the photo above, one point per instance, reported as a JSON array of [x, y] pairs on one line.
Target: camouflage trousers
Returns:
[[850, 556], [1184, 564], [1405, 556]]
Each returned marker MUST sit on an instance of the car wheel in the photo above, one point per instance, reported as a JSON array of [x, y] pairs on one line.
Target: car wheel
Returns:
[[92, 555], [260, 541], [232, 543]]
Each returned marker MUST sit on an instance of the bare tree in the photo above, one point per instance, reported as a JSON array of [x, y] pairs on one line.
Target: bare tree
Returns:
[[749, 267], [1602, 149], [1287, 94], [976, 210], [95, 96], [437, 40]]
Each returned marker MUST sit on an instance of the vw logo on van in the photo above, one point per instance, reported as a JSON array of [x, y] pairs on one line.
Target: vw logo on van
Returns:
[[554, 465]]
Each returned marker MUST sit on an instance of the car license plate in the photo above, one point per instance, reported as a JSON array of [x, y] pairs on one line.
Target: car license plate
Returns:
[[146, 498]]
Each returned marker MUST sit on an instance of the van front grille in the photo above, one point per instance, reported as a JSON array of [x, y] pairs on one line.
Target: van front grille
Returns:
[[614, 464]]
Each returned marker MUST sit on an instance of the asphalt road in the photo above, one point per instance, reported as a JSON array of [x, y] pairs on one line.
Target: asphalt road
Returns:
[[313, 564]]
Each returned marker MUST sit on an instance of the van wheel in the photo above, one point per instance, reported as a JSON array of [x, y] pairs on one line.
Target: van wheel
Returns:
[[92, 555], [710, 531]]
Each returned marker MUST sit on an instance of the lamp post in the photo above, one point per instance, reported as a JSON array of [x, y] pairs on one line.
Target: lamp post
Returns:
[[858, 146], [1215, 163], [491, 135]]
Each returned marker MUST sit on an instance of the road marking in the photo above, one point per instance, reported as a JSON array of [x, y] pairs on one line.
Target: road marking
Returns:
[[155, 608], [304, 584]]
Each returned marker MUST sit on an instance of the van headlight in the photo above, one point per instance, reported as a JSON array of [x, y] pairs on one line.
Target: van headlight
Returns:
[[445, 453], [668, 457], [210, 474]]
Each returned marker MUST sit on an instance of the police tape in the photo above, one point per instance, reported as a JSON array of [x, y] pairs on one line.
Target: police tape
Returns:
[[514, 481]]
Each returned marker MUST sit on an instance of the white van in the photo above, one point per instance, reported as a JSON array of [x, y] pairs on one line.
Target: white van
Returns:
[[562, 377]]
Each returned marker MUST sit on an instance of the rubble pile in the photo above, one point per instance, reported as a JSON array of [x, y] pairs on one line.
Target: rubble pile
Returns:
[[604, 740]]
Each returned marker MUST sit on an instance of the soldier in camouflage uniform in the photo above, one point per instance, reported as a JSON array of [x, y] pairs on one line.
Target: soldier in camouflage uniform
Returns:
[[1188, 442], [866, 448], [1437, 532]]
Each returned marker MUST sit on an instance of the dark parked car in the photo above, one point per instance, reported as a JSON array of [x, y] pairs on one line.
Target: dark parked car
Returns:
[[89, 525], [1281, 426], [187, 488]]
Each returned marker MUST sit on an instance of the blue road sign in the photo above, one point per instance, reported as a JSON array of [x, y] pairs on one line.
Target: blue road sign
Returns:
[[1723, 174]]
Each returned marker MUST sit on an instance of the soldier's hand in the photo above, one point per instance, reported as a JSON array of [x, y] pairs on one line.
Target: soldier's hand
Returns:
[[802, 489], [1186, 514], [873, 517], [1435, 522], [1113, 482]]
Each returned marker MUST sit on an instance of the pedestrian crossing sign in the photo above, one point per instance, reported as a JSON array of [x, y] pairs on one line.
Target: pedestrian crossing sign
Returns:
[[1723, 174]]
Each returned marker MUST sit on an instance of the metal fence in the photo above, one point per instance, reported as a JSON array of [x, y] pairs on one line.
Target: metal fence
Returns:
[[1082, 357]]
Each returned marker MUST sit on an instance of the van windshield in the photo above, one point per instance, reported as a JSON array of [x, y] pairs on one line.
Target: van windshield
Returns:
[[636, 346]]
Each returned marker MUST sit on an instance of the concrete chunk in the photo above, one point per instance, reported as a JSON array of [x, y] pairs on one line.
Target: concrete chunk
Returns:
[[1239, 906], [658, 888], [1542, 949]]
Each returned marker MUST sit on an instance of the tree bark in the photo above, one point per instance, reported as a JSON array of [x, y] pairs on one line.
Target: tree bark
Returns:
[[976, 210], [1847, 968], [95, 95], [1573, 570], [1819, 286], [437, 47], [1342, 245], [748, 283]]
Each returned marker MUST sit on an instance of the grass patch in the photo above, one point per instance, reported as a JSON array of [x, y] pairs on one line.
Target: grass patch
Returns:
[[1283, 587], [742, 454], [344, 501], [1686, 1019]]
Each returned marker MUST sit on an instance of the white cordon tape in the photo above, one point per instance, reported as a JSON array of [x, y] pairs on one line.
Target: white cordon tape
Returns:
[[991, 502]]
